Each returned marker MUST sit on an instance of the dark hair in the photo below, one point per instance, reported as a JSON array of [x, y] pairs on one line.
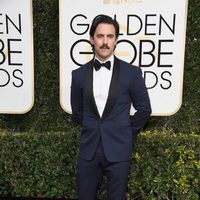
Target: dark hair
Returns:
[[104, 19]]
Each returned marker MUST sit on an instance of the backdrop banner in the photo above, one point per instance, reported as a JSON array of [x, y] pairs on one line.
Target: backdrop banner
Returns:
[[152, 36], [16, 56]]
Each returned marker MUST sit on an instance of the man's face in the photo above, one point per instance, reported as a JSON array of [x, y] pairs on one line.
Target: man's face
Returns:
[[104, 41]]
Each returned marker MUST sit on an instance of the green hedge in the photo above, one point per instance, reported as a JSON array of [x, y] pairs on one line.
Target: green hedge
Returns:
[[39, 159], [33, 164], [47, 114], [164, 166]]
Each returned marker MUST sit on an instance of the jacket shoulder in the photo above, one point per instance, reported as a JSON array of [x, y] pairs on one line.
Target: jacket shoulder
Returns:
[[81, 70], [129, 67]]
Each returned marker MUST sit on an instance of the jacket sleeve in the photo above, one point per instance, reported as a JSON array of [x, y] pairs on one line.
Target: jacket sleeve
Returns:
[[76, 99], [140, 101]]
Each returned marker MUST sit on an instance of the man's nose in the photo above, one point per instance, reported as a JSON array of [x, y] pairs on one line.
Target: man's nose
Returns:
[[105, 40]]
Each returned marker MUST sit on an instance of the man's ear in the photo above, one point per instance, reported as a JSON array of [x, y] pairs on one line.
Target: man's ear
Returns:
[[116, 41], [115, 44], [91, 40]]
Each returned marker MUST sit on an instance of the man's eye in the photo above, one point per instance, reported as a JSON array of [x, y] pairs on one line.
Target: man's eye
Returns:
[[110, 36]]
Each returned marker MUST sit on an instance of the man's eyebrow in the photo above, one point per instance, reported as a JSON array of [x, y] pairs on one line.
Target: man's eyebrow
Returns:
[[105, 34]]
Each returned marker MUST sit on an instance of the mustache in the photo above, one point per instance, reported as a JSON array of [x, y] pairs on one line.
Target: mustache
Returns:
[[104, 46]]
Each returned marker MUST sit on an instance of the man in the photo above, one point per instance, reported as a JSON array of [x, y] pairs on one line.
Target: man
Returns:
[[101, 97]]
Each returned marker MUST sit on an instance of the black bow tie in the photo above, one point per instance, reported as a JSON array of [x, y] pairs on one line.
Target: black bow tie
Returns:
[[98, 65]]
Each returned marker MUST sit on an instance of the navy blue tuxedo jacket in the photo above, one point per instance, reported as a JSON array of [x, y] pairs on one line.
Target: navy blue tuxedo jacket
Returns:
[[116, 128]]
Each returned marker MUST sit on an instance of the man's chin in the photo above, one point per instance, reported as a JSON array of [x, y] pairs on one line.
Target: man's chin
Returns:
[[105, 57]]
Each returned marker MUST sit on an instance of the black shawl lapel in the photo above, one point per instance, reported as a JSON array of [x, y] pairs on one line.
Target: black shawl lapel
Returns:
[[88, 88], [113, 89]]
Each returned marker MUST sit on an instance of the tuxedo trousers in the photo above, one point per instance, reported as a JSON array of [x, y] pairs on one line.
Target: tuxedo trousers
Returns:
[[89, 176]]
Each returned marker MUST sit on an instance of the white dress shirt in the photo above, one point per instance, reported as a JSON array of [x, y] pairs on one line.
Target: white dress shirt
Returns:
[[101, 85]]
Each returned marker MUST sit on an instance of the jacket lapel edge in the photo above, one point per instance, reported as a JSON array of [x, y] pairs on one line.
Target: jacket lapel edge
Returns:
[[88, 88], [113, 89]]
